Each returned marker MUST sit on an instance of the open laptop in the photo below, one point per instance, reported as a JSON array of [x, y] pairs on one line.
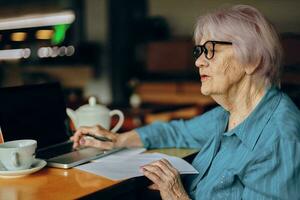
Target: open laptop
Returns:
[[39, 112]]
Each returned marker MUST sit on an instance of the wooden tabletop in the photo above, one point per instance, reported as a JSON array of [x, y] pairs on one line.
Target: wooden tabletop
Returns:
[[53, 183]]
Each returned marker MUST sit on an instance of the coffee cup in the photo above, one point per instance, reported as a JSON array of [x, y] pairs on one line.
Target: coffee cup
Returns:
[[17, 154]]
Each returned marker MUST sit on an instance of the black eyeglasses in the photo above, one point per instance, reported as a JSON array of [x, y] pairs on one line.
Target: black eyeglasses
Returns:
[[208, 48]]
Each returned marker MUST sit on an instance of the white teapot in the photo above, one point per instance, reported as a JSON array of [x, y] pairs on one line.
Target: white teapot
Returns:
[[94, 114]]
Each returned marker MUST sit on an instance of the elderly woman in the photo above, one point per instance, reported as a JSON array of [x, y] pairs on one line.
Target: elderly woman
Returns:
[[250, 144]]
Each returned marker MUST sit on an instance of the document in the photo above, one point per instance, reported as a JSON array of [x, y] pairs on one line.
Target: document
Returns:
[[123, 154], [121, 168]]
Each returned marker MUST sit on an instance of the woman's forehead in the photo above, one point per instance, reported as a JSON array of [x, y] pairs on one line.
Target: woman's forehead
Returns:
[[212, 31], [203, 37], [206, 32]]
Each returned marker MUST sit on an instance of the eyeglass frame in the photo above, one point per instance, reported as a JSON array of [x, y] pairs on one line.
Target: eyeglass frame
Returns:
[[203, 48]]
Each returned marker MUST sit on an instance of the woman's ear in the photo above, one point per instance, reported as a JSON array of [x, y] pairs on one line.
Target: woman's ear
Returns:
[[252, 67]]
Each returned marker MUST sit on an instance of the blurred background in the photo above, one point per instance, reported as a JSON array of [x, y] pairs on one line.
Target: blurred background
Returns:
[[131, 54]]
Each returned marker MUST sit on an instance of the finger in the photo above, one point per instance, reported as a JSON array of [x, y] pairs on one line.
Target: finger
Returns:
[[164, 167], [90, 142], [170, 166], [156, 170], [152, 176], [80, 132], [76, 140], [100, 131], [175, 175], [75, 143]]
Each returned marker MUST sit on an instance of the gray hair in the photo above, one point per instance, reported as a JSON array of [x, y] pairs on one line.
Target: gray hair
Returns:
[[253, 37]]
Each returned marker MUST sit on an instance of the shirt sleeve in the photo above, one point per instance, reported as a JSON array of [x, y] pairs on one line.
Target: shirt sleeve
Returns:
[[191, 133], [276, 174]]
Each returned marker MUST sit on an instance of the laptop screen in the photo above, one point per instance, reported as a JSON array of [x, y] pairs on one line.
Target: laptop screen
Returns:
[[33, 112]]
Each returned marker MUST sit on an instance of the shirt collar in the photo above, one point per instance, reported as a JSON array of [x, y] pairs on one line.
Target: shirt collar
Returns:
[[251, 128]]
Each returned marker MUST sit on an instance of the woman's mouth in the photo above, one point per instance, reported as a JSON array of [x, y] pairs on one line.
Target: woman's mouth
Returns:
[[204, 77]]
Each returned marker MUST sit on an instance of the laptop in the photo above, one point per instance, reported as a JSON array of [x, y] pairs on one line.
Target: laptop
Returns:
[[39, 112]]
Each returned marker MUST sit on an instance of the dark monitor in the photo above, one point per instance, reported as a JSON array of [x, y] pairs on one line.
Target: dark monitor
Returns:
[[34, 112]]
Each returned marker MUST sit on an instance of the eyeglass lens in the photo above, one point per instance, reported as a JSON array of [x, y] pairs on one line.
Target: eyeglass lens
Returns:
[[207, 48]]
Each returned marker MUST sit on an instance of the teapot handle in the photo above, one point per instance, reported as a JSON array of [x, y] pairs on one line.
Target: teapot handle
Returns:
[[120, 122], [72, 115]]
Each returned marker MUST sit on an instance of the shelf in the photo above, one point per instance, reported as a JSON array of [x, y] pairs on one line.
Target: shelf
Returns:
[[173, 93]]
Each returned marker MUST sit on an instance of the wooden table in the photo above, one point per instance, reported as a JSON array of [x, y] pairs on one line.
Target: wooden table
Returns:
[[53, 183]]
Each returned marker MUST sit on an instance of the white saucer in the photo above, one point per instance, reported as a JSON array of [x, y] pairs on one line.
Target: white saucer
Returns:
[[37, 165]]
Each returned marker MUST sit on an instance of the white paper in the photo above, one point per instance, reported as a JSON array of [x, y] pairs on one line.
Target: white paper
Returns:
[[122, 154], [118, 169]]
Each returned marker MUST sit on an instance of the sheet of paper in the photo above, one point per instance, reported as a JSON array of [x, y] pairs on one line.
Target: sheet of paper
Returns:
[[123, 154], [118, 169]]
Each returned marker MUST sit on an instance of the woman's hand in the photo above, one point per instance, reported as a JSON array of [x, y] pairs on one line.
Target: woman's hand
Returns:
[[79, 139], [128, 139], [166, 179]]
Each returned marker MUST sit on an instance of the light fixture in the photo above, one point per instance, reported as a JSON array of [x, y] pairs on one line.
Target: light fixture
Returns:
[[70, 50], [44, 34], [55, 52], [37, 20], [43, 52], [14, 54], [18, 36], [62, 51], [46, 52]]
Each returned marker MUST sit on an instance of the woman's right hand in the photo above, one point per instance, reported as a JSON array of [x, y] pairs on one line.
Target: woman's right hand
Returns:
[[80, 139]]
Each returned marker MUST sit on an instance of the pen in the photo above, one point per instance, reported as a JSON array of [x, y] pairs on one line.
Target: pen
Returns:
[[97, 137]]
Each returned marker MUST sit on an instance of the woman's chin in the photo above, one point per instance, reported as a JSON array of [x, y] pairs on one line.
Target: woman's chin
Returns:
[[205, 91]]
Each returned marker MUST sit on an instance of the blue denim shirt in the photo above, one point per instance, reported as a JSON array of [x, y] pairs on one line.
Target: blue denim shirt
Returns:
[[258, 159]]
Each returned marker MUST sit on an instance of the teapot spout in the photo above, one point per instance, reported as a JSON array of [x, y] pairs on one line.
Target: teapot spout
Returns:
[[72, 115]]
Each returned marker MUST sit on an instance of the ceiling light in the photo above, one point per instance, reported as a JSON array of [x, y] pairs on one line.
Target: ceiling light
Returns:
[[14, 54], [44, 34], [37, 20], [18, 36], [70, 50]]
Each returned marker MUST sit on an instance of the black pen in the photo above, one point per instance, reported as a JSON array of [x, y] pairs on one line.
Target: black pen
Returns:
[[97, 137]]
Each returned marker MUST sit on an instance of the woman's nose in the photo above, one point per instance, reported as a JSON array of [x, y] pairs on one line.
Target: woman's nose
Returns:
[[201, 61]]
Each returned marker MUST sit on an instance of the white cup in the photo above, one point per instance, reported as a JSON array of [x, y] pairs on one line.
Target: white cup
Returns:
[[18, 154]]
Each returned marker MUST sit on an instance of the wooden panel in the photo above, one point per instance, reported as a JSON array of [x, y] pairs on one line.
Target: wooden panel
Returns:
[[182, 153], [189, 87], [184, 113], [169, 87], [173, 93], [170, 56], [51, 183], [177, 98]]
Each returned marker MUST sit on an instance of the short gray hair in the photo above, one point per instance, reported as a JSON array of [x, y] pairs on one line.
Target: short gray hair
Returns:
[[253, 37]]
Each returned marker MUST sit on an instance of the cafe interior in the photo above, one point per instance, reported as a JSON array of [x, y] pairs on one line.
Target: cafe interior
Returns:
[[134, 55], [131, 55]]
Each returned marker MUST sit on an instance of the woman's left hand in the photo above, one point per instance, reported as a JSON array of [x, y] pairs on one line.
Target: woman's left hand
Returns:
[[166, 179]]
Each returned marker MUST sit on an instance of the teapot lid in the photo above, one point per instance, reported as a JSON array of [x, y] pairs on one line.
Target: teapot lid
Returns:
[[92, 101], [93, 107]]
